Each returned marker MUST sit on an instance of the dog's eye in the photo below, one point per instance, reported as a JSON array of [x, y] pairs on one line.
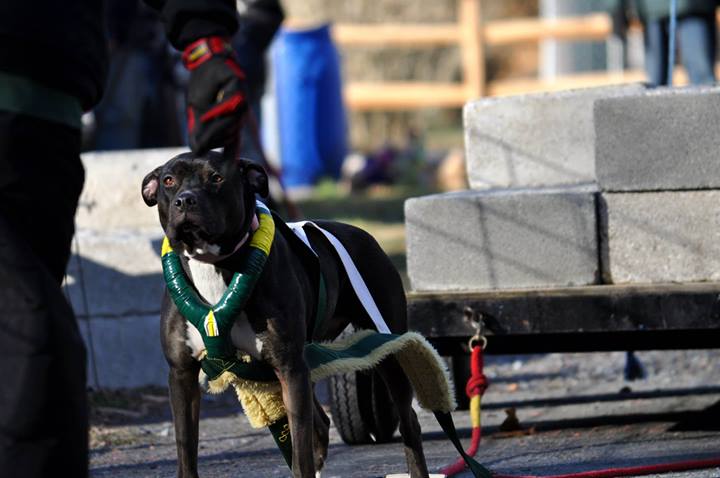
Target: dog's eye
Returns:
[[216, 178], [169, 181]]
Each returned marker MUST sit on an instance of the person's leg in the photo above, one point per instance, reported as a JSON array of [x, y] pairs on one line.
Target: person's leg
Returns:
[[119, 114], [43, 402], [296, 77], [655, 37], [41, 177], [697, 42], [332, 143]]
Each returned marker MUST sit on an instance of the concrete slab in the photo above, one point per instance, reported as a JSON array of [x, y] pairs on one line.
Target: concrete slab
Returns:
[[111, 196], [119, 273], [662, 139], [545, 139], [125, 352], [660, 236], [476, 240], [114, 279]]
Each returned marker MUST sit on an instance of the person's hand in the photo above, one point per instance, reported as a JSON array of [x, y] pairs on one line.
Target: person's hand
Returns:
[[216, 98]]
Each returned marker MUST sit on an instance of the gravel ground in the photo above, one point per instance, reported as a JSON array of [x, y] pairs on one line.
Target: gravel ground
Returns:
[[575, 410]]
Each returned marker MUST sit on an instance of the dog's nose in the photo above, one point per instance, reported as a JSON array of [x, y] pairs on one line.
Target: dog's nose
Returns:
[[185, 200]]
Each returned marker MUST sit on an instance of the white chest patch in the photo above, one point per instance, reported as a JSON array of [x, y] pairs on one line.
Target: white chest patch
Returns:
[[210, 284]]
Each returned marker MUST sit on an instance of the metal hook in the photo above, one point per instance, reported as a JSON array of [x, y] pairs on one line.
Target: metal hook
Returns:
[[475, 319]]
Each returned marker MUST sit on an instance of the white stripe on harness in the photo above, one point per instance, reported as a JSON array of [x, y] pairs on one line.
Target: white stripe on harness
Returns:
[[356, 280]]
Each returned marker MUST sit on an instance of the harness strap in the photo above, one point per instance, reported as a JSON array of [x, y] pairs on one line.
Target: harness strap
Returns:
[[356, 280], [446, 422], [280, 431], [321, 305]]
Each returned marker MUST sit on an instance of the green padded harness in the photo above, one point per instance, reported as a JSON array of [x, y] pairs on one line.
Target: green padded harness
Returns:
[[215, 321]]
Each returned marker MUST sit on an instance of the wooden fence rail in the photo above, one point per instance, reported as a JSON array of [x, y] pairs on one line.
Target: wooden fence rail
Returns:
[[472, 35]]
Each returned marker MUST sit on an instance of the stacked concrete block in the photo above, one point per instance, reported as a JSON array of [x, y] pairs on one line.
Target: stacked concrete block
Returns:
[[669, 236], [503, 239], [530, 219], [118, 271], [661, 140], [111, 194], [114, 279], [654, 156], [534, 140], [657, 165]]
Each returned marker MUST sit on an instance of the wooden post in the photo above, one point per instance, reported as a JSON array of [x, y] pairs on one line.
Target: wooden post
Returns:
[[471, 47]]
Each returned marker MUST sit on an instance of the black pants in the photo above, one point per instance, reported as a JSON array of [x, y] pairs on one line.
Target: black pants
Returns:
[[43, 402]]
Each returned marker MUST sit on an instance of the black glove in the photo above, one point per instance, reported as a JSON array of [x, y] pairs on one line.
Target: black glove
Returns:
[[216, 99]]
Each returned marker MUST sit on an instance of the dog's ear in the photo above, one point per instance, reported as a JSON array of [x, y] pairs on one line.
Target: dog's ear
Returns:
[[150, 185], [256, 177]]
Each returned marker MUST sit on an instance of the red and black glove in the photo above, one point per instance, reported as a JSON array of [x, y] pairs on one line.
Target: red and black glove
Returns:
[[216, 94]]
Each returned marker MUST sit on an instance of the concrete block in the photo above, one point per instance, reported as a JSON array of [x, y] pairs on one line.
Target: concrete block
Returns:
[[126, 352], [658, 237], [663, 139], [119, 273], [111, 196], [545, 139], [114, 279], [476, 240]]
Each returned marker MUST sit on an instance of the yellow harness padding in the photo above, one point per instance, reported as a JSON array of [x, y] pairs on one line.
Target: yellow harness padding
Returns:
[[262, 238], [427, 372]]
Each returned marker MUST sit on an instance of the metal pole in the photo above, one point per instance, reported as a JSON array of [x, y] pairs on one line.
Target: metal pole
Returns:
[[671, 41]]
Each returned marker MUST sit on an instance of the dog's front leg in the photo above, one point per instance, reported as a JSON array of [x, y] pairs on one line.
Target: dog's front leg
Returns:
[[185, 404], [298, 399]]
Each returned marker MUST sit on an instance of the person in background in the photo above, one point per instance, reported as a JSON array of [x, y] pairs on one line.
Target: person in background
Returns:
[[695, 35], [53, 63], [138, 107], [258, 22]]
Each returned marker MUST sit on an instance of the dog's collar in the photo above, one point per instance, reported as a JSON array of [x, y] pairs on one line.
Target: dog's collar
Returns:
[[211, 258]]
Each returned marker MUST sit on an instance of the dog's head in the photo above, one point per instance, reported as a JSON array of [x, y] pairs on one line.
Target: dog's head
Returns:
[[205, 203]]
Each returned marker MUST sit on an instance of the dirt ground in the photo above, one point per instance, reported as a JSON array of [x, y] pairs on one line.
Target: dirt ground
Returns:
[[576, 413]]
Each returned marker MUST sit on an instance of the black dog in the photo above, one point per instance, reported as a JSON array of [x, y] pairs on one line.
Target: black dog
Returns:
[[206, 206]]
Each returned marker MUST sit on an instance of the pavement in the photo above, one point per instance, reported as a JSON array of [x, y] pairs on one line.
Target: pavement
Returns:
[[576, 413]]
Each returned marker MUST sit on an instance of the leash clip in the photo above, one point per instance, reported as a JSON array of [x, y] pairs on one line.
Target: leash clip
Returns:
[[475, 319]]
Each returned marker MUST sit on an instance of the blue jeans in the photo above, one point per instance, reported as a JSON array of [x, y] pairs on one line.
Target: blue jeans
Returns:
[[311, 114], [696, 40]]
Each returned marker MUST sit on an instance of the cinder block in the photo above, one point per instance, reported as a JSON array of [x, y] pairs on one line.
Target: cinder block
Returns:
[[477, 240], [545, 139], [126, 352], [657, 237], [661, 140], [118, 273], [111, 195]]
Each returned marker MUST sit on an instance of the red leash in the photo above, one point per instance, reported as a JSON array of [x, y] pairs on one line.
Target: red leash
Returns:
[[292, 210], [631, 470], [476, 386]]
